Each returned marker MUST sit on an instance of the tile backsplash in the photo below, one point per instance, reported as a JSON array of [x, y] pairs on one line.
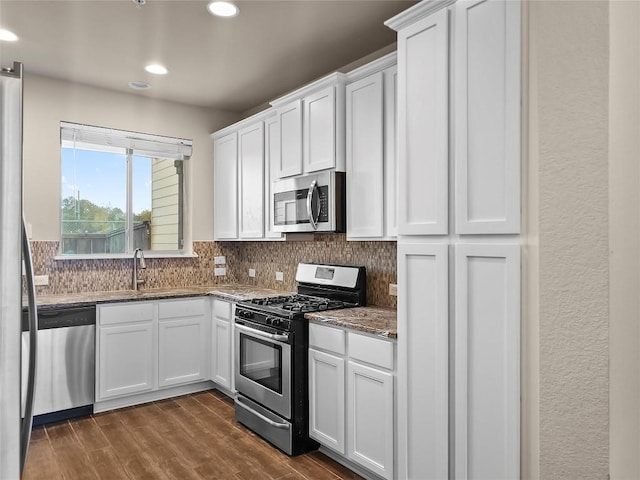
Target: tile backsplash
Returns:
[[267, 258]]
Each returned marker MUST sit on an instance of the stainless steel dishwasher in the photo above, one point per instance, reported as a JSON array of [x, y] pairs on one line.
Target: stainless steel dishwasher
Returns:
[[65, 369]]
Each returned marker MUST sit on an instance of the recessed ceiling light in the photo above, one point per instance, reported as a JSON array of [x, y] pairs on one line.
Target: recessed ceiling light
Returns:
[[139, 85], [223, 9], [156, 69], [7, 36]]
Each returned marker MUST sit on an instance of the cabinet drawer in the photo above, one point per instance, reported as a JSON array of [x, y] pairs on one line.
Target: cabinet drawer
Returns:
[[191, 307], [327, 338], [222, 309], [125, 313], [371, 350]]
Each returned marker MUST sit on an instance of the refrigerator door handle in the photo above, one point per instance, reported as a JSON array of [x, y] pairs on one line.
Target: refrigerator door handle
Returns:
[[27, 421]]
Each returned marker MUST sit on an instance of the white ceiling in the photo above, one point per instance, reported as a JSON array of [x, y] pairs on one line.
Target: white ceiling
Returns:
[[234, 64]]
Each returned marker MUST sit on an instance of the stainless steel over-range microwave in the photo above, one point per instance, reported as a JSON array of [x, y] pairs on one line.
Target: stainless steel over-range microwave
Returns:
[[311, 203]]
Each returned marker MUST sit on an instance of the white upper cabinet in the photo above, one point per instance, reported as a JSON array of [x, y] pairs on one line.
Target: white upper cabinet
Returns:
[[290, 129], [271, 159], [486, 92], [365, 158], [371, 165], [311, 124], [246, 157], [423, 126], [225, 187], [319, 123], [252, 182]]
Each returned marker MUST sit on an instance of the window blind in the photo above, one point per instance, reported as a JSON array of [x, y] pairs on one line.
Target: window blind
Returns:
[[75, 135]]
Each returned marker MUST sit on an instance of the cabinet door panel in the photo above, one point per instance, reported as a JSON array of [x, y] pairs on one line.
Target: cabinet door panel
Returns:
[[225, 187], [423, 366], [126, 360], [370, 413], [326, 399], [222, 353], [271, 158], [365, 158], [290, 123], [251, 167], [181, 348], [390, 163], [423, 102], [487, 361], [320, 130], [487, 116]]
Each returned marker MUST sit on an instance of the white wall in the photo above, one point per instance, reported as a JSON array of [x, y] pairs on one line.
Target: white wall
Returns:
[[566, 316], [48, 101]]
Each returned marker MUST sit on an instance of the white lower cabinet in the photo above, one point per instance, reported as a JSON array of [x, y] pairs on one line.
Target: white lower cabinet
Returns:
[[221, 342], [351, 396], [145, 347], [182, 341], [326, 399], [125, 360], [370, 414]]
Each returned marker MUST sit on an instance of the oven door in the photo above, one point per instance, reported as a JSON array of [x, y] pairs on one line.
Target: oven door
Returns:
[[263, 367]]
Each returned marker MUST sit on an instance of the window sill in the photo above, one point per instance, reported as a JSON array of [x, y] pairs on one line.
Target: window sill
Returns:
[[110, 256]]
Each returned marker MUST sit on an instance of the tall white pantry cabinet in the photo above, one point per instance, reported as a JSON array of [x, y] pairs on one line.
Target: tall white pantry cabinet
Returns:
[[458, 239]]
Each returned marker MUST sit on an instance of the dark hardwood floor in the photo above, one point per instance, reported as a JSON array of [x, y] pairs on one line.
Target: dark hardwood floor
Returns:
[[190, 437]]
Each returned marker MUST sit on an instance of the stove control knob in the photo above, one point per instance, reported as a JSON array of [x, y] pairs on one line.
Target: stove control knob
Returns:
[[276, 322], [269, 321]]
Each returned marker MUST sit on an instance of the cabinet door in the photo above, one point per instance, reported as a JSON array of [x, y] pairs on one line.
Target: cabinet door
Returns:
[[423, 102], [225, 187], [251, 167], [365, 158], [290, 123], [487, 361], [182, 345], [486, 90], [320, 130], [370, 418], [126, 360], [423, 366], [221, 351], [390, 82], [326, 400], [271, 157]]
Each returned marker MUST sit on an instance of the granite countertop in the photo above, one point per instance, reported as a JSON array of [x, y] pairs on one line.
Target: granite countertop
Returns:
[[232, 293], [375, 320]]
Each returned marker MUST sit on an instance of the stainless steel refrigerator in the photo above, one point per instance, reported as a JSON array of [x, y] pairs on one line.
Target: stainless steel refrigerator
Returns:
[[15, 254]]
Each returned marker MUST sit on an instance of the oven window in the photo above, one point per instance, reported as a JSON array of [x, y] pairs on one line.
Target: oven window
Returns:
[[261, 362]]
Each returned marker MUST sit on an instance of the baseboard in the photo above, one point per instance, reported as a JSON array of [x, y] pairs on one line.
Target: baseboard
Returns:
[[130, 400], [349, 464]]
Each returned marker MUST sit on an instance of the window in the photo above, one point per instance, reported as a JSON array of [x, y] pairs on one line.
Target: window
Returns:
[[121, 191]]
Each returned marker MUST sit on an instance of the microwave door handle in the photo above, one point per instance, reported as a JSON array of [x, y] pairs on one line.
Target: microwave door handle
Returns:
[[312, 189]]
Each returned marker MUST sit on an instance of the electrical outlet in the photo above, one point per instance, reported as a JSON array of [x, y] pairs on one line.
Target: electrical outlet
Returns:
[[393, 289], [40, 280], [220, 271], [280, 276], [252, 272], [221, 260]]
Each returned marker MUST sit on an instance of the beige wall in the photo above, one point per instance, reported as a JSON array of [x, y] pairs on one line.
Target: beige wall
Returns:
[[624, 225], [565, 322], [48, 101]]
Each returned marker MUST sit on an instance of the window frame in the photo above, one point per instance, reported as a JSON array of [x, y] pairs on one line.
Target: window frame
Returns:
[[177, 149]]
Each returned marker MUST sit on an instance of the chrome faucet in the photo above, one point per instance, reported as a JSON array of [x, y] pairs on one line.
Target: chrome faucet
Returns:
[[138, 281]]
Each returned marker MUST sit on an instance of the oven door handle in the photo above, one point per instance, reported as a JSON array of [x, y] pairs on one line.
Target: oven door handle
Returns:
[[260, 333], [259, 415]]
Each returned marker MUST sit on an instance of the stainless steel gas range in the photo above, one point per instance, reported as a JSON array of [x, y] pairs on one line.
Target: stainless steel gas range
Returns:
[[271, 341]]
